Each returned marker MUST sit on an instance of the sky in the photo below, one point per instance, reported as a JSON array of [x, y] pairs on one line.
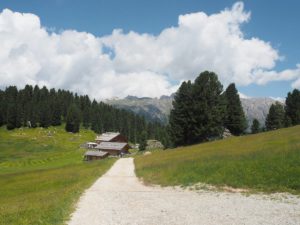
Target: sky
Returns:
[[147, 48]]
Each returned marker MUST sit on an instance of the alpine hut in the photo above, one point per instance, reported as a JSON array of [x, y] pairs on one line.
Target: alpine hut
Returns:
[[113, 148], [110, 137], [95, 155]]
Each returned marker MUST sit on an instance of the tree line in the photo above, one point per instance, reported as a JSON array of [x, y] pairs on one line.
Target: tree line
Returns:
[[40, 107], [281, 115]]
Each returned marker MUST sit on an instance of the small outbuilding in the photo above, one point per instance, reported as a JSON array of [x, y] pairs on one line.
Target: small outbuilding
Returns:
[[113, 148], [110, 137], [95, 155]]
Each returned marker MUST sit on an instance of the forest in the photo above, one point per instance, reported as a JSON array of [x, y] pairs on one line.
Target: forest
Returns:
[[40, 107]]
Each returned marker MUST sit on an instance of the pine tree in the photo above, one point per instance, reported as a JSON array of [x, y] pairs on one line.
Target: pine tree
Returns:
[[27, 104], [208, 108], [255, 127], [44, 108], [73, 119], [11, 94], [56, 114], [235, 118], [86, 105], [143, 141], [292, 107], [275, 118], [2, 108], [287, 121], [35, 110], [180, 119]]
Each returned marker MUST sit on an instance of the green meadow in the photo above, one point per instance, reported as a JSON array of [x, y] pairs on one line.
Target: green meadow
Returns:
[[267, 162], [42, 174]]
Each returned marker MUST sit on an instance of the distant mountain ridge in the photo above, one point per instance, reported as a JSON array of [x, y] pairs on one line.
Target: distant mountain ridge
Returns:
[[158, 109]]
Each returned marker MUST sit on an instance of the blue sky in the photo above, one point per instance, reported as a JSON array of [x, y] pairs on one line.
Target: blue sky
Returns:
[[274, 22]]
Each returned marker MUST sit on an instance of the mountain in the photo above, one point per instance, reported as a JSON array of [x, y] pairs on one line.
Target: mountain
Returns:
[[153, 109], [257, 108], [158, 109]]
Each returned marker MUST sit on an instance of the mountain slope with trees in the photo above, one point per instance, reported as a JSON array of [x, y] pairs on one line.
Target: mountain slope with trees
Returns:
[[158, 109]]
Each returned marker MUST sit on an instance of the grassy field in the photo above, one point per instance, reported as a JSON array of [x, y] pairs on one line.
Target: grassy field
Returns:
[[42, 174], [268, 162]]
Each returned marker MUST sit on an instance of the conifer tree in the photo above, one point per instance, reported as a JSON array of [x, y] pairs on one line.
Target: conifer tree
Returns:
[[275, 118], [143, 141], [208, 108], [27, 94], [73, 119], [2, 108], [56, 114], [86, 105], [44, 108], [255, 127], [181, 115], [292, 107], [11, 110], [235, 118]]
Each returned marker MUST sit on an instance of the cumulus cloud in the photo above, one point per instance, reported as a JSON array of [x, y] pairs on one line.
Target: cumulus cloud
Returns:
[[131, 63]]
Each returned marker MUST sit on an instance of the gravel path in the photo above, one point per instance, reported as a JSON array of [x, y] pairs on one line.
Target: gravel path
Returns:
[[119, 198]]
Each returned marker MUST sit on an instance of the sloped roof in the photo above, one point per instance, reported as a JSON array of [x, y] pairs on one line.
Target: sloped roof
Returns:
[[111, 145], [107, 136], [96, 153]]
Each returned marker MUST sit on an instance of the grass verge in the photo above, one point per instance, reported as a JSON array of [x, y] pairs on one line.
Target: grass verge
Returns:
[[268, 162]]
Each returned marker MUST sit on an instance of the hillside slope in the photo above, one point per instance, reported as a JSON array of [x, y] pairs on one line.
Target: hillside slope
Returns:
[[267, 161], [42, 174]]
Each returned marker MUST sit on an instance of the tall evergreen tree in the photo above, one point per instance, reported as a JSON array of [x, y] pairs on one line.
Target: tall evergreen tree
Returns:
[[292, 107], [27, 104], [255, 127], [56, 114], [2, 108], [44, 108], [181, 119], [11, 95], [235, 118], [86, 105], [143, 141], [208, 108], [73, 119], [275, 118]]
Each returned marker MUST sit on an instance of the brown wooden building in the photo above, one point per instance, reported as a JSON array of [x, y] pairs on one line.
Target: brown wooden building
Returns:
[[95, 155], [113, 148], [110, 137]]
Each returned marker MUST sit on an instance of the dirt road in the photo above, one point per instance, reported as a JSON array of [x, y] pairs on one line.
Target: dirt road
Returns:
[[119, 198]]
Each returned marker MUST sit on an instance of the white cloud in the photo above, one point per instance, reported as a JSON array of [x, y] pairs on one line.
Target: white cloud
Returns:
[[263, 76], [131, 63]]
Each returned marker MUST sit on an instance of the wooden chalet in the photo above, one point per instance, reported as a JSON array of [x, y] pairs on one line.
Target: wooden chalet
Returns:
[[113, 148], [109, 143], [95, 155], [110, 137]]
